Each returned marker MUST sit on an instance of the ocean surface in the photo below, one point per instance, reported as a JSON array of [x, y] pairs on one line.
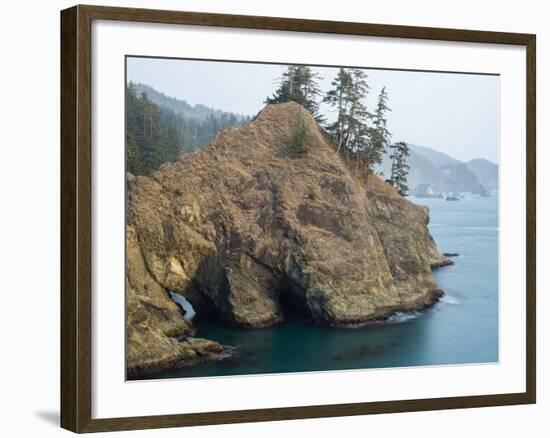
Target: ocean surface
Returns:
[[461, 329]]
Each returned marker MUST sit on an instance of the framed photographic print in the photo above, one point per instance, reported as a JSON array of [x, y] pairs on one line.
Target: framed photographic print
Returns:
[[269, 218]]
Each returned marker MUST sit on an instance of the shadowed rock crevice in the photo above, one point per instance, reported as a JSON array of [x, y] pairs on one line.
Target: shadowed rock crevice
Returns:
[[247, 233]]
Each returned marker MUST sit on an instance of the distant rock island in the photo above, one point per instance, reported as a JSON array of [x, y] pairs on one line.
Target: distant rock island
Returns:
[[244, 232], [433, 173]]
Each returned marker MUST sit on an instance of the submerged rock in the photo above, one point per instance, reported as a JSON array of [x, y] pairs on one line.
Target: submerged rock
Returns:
[[244, 230]]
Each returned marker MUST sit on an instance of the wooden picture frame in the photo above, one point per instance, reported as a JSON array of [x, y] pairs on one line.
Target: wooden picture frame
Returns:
[[76, 217]]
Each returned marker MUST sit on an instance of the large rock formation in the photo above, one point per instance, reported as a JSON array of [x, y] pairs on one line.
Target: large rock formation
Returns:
[[243, 230]]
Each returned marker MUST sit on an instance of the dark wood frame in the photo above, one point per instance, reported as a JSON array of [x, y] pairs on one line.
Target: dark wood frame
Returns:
[[76, 237]]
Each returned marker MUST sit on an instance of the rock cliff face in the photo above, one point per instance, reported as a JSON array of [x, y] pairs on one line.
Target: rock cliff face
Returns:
[[244, 231], [157, 335]]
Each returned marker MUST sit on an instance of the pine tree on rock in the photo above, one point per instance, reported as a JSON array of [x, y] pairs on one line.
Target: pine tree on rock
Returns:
[[399, 167], [358, 115], [379, 135], [347, 96], [337, 98], [299, 84]]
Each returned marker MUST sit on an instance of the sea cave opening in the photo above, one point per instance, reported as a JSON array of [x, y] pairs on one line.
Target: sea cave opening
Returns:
[[196, 305], [187, 309]]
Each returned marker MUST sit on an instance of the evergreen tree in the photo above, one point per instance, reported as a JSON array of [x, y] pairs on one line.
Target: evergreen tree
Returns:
[[337, 98], [299, 84], [399, 167], [351, 130], [349, 90], [379, 136], [357, 117]]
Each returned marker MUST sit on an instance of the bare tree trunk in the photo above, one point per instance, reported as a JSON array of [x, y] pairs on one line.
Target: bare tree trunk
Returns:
[[340, 137]]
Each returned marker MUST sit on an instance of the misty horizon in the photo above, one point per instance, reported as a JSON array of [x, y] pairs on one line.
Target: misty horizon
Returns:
[[241, 88]]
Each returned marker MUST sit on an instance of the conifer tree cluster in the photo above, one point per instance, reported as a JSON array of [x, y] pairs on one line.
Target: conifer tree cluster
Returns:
[[347, 98], [361, 136], [299, 84], [150, 140], [356, 131]]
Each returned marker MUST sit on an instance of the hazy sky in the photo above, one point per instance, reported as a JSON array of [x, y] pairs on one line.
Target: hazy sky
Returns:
[[454, 113]]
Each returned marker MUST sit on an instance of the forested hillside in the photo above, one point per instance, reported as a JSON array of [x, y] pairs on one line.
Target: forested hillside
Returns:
[[159, 128], [151, 139]]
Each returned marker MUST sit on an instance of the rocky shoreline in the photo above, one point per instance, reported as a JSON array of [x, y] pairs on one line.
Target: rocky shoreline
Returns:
[[244, 232], [442, 264], [384, 315], [200, 351]]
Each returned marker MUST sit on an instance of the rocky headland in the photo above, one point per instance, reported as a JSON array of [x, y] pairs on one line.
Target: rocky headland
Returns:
[[245, 231]]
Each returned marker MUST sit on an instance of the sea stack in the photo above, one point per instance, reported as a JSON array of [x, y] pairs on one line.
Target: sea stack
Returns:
[[244, 229]]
